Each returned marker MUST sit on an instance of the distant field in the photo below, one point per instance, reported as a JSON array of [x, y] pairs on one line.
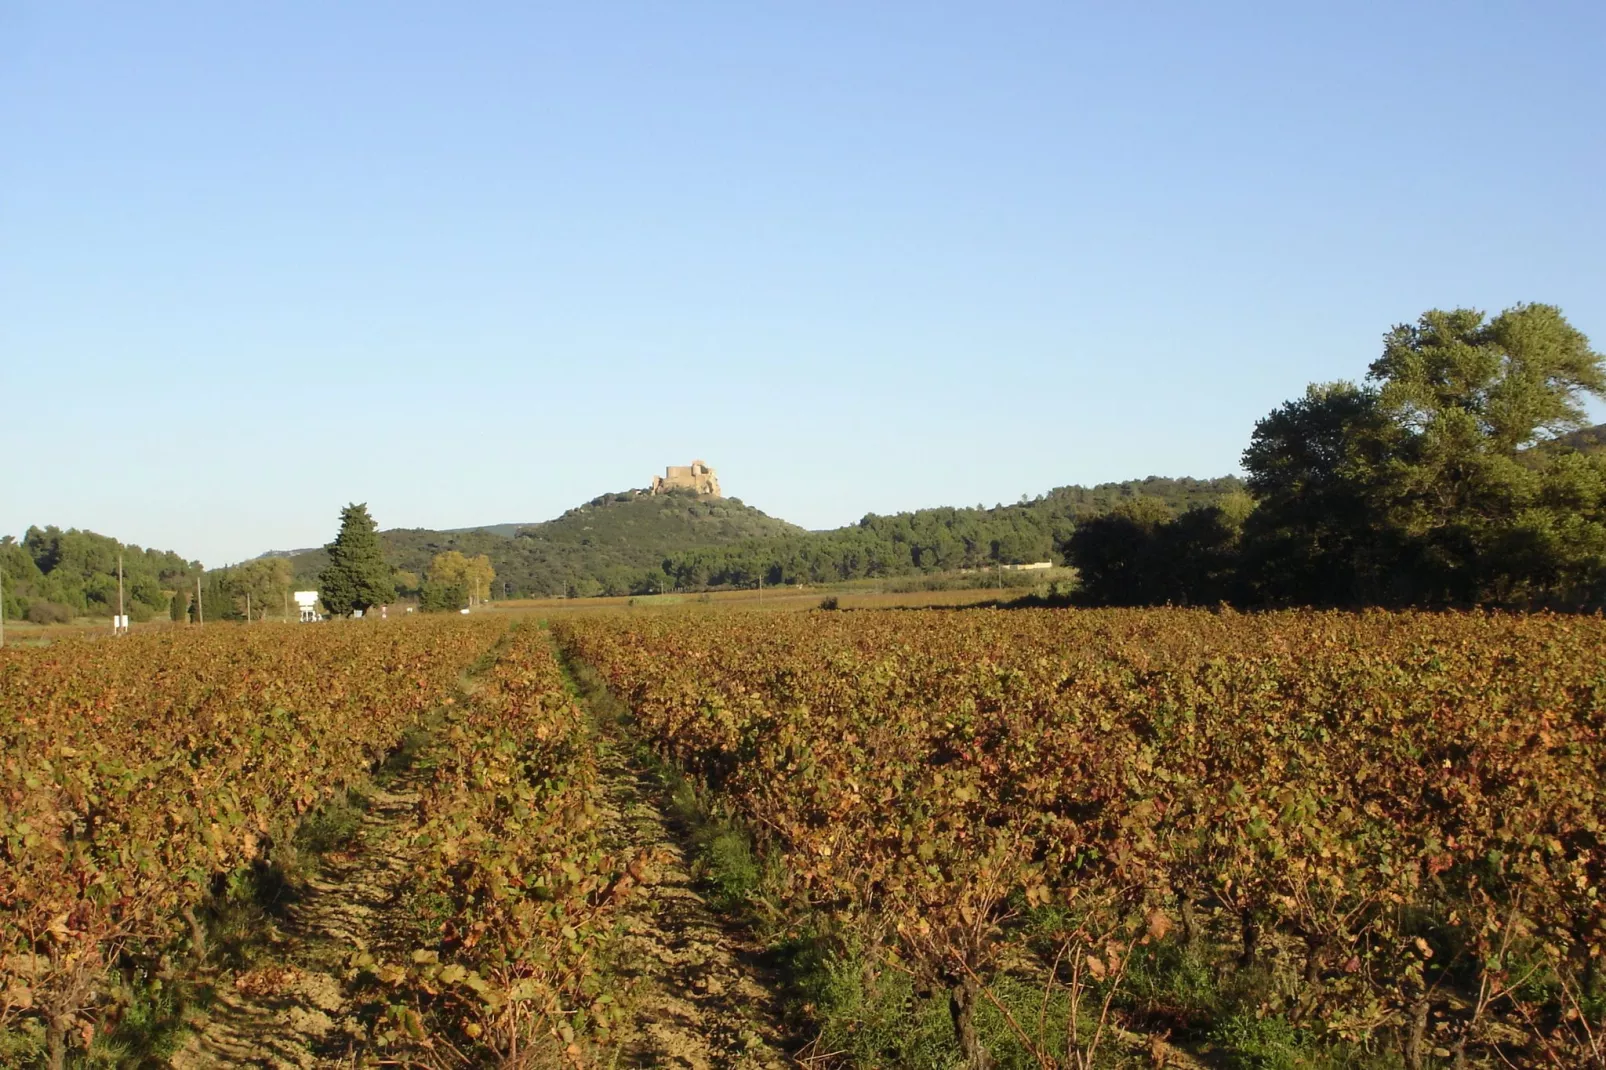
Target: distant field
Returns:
[[855, 596], [26, 633], [779, 599]]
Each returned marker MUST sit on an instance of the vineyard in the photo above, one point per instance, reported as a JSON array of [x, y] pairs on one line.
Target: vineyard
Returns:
[[1290, 839], [1027, 838], [146, 777], [522, 890], [139, 775]]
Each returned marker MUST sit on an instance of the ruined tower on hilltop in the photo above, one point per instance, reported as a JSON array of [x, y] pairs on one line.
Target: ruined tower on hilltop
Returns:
[[696, 477]]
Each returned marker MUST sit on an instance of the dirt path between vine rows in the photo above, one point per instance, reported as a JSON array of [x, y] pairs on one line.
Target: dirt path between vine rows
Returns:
[[292, 1008], [700, 998]]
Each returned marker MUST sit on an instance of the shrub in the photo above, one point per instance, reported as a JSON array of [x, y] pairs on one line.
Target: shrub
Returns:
[[830, 602], [436, 597], [49, 613]]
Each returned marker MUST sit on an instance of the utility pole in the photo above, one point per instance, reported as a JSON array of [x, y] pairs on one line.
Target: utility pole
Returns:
[[2, 605], [287, 605], [200, 610], [248, 607], [121, 627]]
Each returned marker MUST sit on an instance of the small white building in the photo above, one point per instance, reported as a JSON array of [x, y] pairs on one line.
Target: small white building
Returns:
[[307, 602]]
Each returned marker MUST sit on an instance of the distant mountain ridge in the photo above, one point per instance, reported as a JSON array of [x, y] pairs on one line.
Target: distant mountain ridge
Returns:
[[634, 541], [507, 531]]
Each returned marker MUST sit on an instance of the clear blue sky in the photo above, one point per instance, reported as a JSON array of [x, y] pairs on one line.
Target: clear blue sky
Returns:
[[478, 262]]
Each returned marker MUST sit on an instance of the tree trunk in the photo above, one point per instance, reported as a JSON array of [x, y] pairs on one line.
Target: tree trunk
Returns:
[[197, 934], [1313, 961], [1416, 1035], [56, 1036], [1251, 939], [1190, 920], [962, 1008]]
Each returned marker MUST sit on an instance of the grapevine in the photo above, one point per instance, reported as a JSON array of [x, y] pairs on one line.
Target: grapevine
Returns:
[[1399, 814], [136, 773]]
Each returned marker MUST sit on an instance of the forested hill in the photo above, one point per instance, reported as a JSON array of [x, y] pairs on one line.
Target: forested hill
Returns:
[[53, 575], [613, 544], [937, 540], [620, 543]]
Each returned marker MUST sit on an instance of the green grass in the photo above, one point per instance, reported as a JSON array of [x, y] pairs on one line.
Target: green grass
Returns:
[[425, 914], [407, 753], [22, 1045], [721, 852], [335, 824], [150, 1027], [873, 1016]]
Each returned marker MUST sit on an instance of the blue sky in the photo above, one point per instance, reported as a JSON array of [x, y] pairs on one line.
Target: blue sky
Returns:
[[474, 263]]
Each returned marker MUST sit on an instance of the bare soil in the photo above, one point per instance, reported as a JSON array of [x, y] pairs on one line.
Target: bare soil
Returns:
[[700, 996], [293, 1009]]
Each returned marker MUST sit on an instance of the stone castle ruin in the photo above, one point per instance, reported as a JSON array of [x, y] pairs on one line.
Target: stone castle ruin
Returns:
[[696, 477]]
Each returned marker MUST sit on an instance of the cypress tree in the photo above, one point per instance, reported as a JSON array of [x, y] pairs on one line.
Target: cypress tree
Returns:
[[217, 596], [357, 576]]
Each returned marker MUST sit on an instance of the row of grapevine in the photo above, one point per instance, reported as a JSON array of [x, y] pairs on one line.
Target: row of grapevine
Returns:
[[135, 773], [1396, 817], [524, 889]]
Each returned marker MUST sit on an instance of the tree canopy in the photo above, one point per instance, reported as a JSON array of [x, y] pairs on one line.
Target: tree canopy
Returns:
[[1456, 474], [456, 581], [60, 574], [357, 576]]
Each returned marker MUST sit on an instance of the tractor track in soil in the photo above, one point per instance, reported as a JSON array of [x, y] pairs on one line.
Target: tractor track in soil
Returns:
[[700, 996], [294, 1007]]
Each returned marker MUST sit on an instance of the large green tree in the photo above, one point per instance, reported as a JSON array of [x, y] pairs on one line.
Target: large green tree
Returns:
[[1140, 553], [1317, 534], [263, 584], [1440, 480], [1117, 555], [357, 577], [220, 598], [1467, 399]]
